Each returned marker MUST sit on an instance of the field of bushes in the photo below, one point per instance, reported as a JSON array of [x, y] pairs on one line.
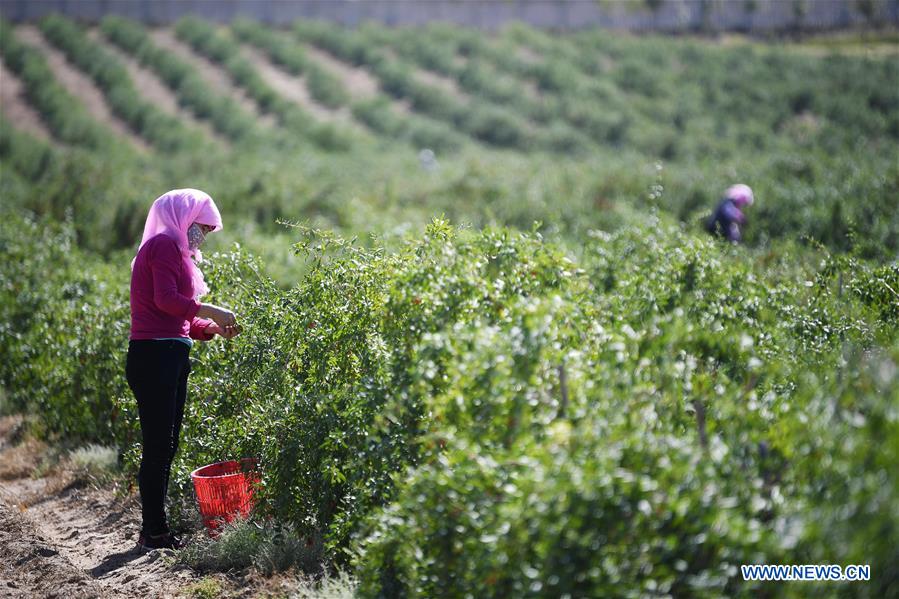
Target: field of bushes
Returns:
[[522, 369]]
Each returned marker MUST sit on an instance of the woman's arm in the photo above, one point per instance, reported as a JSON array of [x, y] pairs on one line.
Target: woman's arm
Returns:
[[221, 316]]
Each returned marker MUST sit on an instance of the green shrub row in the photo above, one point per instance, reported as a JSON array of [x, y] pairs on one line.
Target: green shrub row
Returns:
[[378, 115], [488, 124], [25, 155], [63, 318], [160, 129], [193, 92], [94, 193], [375, 113], [553, 77], [283, 51], [204, 38], [748, 81], [475, 413], [338, 42], [66, 118], [611, 483], [436, 52], [484, 122], [568, 102], [614, 105]]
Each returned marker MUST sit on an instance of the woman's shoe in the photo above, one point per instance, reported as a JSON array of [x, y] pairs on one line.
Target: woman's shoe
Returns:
[[164, 541]]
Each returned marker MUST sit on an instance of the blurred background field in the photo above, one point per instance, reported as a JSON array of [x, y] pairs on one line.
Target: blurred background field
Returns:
[[561, 384]]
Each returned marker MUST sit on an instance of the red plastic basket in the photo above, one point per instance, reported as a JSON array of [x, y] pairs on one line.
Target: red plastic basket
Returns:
[[225, 490]]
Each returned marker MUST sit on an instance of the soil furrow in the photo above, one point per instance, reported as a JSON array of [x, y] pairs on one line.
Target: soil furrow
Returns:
[[214, 75], [359, 82], [154, 90], [79, 85], [291, 87], [15, 107], [62, 537], [32, 566]]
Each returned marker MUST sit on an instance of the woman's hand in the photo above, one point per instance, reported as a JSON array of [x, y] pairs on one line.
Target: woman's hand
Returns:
[[227, 332]]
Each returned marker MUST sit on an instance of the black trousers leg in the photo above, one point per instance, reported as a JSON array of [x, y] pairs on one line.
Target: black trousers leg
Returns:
[[180, 400], [157, 374]]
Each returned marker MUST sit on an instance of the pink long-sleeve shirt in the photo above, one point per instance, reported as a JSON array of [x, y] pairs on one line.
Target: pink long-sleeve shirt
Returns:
[[162, 304]]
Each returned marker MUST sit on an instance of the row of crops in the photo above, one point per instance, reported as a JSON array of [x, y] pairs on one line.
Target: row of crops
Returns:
[[475, 413], [64, 116], [806, 142], [566, 99], [568, 390]]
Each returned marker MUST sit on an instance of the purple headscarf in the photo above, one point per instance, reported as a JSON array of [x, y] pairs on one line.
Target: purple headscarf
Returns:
[[740, 194], [171, 214]]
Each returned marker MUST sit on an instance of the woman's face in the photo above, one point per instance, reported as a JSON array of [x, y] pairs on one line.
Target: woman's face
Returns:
[[196, 234]]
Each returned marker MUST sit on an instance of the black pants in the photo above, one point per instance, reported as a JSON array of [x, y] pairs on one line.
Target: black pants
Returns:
[[157, 374]]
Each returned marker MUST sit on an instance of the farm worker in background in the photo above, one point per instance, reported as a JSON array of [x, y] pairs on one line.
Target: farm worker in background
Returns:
[[728, 216], [165, 318]]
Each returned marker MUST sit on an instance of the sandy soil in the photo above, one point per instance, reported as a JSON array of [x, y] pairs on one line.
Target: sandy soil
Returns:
[[14, 106], [153, 89], [444, 84], [527, 55], [359, 82], [217, 78], [291, 87], [79, 85], [532, 90], [459, 61], [62, 537], [32, 567]]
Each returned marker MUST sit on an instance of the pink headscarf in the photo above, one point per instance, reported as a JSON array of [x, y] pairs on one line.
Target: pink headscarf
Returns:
[[172, 214], [740, 194]]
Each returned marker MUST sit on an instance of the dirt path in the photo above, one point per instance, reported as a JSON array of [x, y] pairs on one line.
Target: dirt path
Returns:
[[441, 82], [359, 82], [211, 73], [14, 106], [154, 90], [61, 537], [32, 567], [79, 85], [528, 55], [291, 87]]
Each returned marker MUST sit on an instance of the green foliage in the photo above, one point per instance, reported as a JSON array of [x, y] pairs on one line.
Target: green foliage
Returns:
[[483, 121], [63, 328], [164, 131], [96, 192], [455, 411], [226, 116], [606, 402], [323, 86], [602, 502], [206, 40], [207, 588], [65, 117], [421, 132], [243, 543], [25, 154]]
